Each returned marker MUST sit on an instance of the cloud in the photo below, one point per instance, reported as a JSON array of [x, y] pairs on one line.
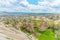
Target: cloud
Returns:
[[8, 3], [41, 7], [50, 6]]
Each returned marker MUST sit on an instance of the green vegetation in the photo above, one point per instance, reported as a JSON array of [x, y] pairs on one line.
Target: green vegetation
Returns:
[[36, 22], [9, 39], [48, 35]]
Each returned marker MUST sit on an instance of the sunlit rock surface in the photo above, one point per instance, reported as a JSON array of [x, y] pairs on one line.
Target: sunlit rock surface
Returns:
[[7, 33]]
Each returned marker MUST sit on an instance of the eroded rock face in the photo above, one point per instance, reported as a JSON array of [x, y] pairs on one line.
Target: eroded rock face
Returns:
[[13, 33], [44, 26]]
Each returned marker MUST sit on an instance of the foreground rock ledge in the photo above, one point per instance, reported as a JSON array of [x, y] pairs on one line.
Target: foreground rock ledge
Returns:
[[13, 33]]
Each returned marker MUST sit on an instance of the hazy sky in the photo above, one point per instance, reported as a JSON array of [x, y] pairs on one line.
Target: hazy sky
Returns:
[[42, 6]]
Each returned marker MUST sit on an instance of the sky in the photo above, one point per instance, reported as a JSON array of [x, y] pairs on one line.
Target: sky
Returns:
[[37, 6]]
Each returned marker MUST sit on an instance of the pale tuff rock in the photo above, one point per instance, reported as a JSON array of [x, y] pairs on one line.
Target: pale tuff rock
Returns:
[[16, 34]]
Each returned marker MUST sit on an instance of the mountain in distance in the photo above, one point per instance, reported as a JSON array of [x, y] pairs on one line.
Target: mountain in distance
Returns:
[[23, 13]]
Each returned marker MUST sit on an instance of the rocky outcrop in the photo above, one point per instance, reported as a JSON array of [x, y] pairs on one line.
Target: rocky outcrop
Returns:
[[13, 33]]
